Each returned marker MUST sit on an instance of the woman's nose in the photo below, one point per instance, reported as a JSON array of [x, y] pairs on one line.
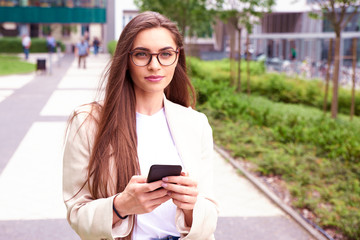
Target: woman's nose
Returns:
[[154, 63]]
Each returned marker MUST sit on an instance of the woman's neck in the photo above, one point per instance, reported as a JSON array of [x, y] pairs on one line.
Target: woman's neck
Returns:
[[149, 104]]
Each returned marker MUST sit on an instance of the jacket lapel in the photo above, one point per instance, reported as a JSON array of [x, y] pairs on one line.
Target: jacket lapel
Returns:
[[175, 120]]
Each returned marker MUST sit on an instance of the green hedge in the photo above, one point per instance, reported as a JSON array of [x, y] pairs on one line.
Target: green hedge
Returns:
[[281, 88], [111, 47], [317, 157], [276, 87], [13, 45]]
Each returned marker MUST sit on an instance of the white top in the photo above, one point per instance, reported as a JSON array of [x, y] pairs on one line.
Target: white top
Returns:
[[155, 146], [26, 41]]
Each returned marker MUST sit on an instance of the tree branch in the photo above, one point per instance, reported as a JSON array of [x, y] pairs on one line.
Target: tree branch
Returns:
[[350, 17], [334, 19], [342, 15]]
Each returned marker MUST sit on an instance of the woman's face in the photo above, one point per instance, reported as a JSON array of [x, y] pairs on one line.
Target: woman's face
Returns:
[[154, 77]]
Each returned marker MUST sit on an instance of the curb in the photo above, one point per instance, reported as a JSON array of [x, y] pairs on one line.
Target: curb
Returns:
[[293, 214]]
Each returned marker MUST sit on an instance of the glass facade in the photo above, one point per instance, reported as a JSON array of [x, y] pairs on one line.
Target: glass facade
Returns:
[[352, 26]]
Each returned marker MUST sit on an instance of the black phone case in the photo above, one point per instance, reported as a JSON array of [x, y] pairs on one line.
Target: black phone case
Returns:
[[157, 172]]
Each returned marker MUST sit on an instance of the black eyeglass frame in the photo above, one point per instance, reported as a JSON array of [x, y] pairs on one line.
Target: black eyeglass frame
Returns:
[[157, 57]]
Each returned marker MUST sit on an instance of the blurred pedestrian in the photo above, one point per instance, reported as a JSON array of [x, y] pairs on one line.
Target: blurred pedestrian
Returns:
[[293, 53], [50, 43], [96, 45], [82, 51], [26, 43], [87, 37]]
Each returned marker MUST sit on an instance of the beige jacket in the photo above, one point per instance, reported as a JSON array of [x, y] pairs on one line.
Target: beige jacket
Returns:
[[92, 218]]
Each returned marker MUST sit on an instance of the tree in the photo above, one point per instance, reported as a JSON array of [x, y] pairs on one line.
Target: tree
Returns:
[[242, 14], [339, 13], [327, 78], [352, 108], [194, 17]]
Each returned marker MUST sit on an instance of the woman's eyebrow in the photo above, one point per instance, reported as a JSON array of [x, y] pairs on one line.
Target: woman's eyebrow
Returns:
[[148, 50], [142, 48], [166, 48]]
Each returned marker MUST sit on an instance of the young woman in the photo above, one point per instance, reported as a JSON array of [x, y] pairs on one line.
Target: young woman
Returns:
[[144, 119]]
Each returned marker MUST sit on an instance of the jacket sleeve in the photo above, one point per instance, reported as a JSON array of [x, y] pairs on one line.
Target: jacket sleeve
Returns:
[[90, 218], [205, 212]]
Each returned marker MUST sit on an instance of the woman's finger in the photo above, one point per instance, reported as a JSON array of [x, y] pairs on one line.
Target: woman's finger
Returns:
[[185, 190], [143, 187], [182, 180], [183, 198], [157, 193]]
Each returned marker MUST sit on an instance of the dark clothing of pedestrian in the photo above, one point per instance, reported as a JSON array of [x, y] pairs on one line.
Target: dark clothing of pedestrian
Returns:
[[96, 44]]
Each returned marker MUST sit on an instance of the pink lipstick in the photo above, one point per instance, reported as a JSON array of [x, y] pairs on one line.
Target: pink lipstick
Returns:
[[154, 78]]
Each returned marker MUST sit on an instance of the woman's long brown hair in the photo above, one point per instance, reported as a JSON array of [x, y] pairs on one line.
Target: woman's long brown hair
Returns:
[[115, 144]]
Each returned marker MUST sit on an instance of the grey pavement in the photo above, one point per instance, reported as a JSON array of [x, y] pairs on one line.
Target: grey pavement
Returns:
[[34, 109]]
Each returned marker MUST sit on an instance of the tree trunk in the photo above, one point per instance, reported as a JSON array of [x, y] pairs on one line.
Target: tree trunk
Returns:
[[248, 64], [352, 109], [334, 102], [232, 55], [327, 76], [238, 88], [183, 29]]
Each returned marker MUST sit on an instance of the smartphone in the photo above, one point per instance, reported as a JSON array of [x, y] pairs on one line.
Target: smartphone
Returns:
[[157, 172]]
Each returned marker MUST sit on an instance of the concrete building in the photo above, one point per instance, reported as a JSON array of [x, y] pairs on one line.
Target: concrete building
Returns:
[[66, 20], [289, 28]]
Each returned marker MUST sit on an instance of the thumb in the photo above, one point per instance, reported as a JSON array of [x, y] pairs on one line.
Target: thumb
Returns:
[[138, 179]]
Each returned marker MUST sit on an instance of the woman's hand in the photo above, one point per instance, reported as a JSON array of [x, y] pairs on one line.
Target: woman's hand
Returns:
[[139, 197], [183, 191]]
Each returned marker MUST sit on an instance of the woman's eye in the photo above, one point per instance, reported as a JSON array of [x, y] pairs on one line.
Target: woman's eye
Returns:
[[141, 54], [166, 54]]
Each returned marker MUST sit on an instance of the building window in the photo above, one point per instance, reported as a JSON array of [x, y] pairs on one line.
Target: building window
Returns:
[[127, 16], [46, 29], [352, 26], [66, 30]]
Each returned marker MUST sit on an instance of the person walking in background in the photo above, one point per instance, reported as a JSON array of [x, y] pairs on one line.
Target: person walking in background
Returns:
[[51, 46], [144, 119], [96, 45], [26, 43], [87, 37], [82, 51], [293, 53], [50, 43]]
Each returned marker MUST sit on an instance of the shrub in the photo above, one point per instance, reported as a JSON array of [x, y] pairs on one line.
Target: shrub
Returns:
[[13, 45], [111, 47], [277, 87], [318, 157]]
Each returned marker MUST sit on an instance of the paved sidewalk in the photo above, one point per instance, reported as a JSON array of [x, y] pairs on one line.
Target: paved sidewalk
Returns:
[[246, 213], [34, 110]]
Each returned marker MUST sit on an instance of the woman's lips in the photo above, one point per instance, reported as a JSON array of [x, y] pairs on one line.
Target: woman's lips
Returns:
[[154, 78]]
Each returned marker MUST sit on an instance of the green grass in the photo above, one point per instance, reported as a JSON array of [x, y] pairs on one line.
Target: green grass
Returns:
[[10, 64], [329, 187], [317, 157]]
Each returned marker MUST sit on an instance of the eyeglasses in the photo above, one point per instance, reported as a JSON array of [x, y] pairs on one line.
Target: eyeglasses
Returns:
[[143, 58]]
